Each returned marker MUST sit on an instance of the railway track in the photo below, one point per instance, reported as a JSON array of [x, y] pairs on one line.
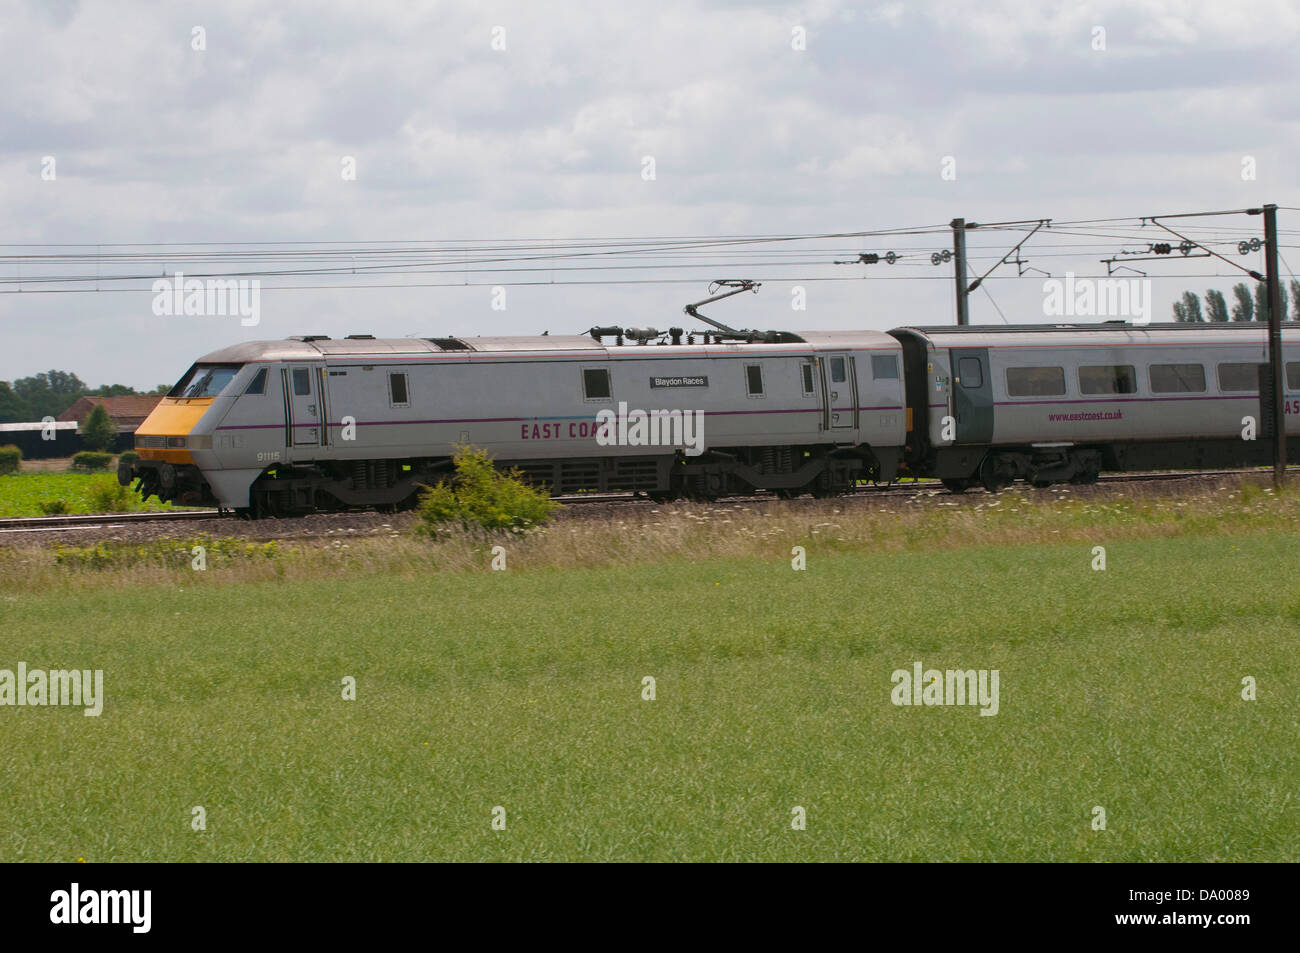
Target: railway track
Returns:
[[102, 521], [27, 524], [935, 486]]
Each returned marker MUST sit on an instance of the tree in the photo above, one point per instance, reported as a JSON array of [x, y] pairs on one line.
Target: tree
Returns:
[[1192, 308], [1216, 306], [13, 409], [1261, 302], [1244, 309], [1180, 312], [98, 430], [1295, 297], [49, 394]]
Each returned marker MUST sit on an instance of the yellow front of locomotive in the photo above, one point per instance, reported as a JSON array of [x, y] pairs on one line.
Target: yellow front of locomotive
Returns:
[[176, 437]]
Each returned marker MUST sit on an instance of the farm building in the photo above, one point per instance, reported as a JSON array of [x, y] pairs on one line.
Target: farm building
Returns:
[[127, 413], [38, 440]]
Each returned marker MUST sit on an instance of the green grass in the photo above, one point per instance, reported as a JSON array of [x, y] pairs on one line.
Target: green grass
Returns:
[[523, 689], [21, 494]]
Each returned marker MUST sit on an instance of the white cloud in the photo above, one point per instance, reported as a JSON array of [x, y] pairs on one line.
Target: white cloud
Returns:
[[158, 142]]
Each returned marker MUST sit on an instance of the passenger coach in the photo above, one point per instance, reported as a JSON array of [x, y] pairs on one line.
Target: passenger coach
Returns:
[[1050, 404]]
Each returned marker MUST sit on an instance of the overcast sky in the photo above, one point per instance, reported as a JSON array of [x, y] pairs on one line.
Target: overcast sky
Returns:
[[242, 141]]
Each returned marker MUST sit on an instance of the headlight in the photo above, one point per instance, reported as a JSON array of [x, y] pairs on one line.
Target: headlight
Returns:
[[197, 442]]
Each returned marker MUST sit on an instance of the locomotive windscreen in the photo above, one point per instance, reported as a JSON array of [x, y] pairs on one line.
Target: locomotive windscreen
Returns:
[[204, 380]]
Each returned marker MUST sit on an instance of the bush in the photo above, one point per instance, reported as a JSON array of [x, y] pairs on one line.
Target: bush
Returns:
[[53, 507], [175, 553], [10, 458], [128, 456], [480, 495], [91, 460], [110, 498]]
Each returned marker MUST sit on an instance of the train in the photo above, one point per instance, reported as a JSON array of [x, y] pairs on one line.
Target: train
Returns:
[[311, 423]]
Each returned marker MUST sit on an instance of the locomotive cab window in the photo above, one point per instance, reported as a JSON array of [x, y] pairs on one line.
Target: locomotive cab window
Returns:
[[971, 373], [257, 385], [1035, 381], [1108, 379], [301, 382], [595, 383], [1293, 376], [838, 375], [204, 380], [398, 393], [807, 371], [1239, 377], [1177, 378], [753, 380], [884, 367]]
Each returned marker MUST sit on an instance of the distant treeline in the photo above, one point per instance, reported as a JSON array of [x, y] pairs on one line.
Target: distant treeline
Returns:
[[1245, 305], [53, 392]]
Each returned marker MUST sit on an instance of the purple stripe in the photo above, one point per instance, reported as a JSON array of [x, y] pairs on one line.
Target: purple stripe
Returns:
[[688, 352], [495, 420], [1123, 400]]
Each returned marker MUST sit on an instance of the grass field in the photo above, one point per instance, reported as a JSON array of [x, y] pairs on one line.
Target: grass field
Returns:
[[1118, 688], [22, 493]]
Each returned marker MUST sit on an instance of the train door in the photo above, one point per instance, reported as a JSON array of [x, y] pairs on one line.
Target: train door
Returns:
[[839, 392], [972, 394], [304, 406]]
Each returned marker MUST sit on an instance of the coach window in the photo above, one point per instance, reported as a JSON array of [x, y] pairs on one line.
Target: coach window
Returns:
[[1035, 381], [970, 373], [1177, 378], [838, 375], [258, 384], [1293, 376], [1239, 377], [301, 382], [595, 383], [753, 380], [398, 392], [807, 370], [884, 367], [1108, 379]]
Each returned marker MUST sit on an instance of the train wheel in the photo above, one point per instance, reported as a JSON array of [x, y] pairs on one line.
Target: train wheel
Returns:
[[825, 485], [956, 485], [993, 477], [707, 487]]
